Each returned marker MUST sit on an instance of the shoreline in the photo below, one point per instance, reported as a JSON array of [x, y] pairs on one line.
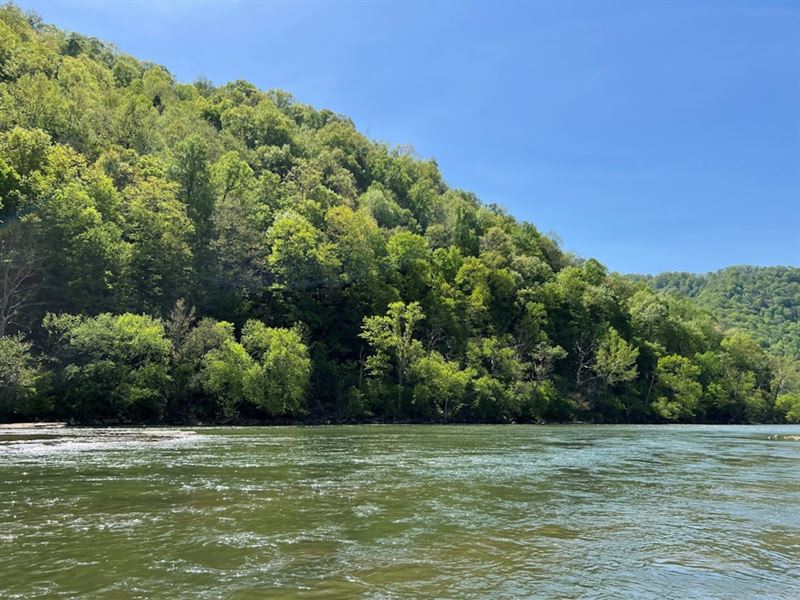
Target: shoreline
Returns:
[[55, 425]]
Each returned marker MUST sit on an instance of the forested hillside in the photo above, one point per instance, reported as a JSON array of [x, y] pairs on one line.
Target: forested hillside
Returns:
[[764, 301], [190, 253]]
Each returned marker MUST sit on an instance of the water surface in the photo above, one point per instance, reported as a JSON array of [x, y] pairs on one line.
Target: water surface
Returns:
[[401, 512]]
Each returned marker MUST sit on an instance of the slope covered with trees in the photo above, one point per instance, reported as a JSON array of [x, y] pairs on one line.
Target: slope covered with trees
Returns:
[[764, 301], [184, 252]]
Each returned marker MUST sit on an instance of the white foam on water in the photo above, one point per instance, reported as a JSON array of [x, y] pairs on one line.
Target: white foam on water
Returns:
[[35, 441]]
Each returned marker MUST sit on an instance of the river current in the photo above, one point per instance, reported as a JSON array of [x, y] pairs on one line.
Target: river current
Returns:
[[401, 512]]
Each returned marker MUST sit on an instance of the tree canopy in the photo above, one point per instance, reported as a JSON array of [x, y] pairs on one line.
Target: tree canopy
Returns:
[[763, 301], [184, 252]]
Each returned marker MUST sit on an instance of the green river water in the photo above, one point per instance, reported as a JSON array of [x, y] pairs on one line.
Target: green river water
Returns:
[[401, 512]]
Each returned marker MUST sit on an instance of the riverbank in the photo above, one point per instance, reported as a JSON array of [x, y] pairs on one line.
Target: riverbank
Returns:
[[54, 425]]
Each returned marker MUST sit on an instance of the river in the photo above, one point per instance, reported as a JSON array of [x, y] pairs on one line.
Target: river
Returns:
[[401, 512]]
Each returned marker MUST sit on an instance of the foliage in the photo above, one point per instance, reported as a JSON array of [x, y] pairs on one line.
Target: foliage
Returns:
[[392, 337], [109, 367], [764, 301], [789, 406], [144, 223], [18, 377], [284, 367], [440, 386], [229, 375], [616, 359], [680, 390]]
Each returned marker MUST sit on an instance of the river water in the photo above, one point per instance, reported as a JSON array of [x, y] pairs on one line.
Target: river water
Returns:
[[401, 512]]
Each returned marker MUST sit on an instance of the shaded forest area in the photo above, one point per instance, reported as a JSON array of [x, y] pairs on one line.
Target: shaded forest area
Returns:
[[189, 253]]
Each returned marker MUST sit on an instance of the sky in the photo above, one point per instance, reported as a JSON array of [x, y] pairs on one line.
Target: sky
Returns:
[[653, 136]]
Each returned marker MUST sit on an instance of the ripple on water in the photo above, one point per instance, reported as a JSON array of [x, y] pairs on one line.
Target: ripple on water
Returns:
[[474, 512]]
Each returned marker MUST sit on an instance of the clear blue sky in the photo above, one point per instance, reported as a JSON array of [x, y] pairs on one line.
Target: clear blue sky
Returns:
[[651, 135]]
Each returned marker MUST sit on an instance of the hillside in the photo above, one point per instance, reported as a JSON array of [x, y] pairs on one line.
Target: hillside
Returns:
[[184, 252], [764, 301]]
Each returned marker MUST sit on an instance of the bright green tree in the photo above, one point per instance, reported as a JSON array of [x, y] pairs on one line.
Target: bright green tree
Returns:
[[230, 375], [439, 386], [285, 367], [392, 339], [109, 367], [615, 361], [680, 390]]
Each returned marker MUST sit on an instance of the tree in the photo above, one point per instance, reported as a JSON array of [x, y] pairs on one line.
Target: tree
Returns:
[[135, 124], [23, 151], [680, 391], [392, 338], [190, 169], [285, 367], [490, 399], [357, 243], [160, 234], [439, 387], [240, 218], [230, 175], [230, 375], [409, 259], [615, 361], [495, 356], [497, 368], [542, 360], [192, 343], [380, 203], [785, 380], [20, 272], [259, 125], [109, 367], [19, 374], [85, 255], [788, 405], [299, 256], [759, 300]]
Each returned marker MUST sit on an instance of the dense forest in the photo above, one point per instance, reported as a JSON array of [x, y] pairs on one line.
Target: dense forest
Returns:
[[177, 252], [764, 301]]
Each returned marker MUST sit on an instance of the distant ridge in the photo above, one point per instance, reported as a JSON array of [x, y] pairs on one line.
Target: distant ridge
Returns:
[[764, 301]]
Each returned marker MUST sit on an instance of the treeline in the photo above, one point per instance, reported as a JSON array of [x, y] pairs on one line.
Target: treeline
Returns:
[[182, 252], [764, 301]]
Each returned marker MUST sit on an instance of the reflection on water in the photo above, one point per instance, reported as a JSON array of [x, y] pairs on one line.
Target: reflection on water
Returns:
[[401, 511]]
